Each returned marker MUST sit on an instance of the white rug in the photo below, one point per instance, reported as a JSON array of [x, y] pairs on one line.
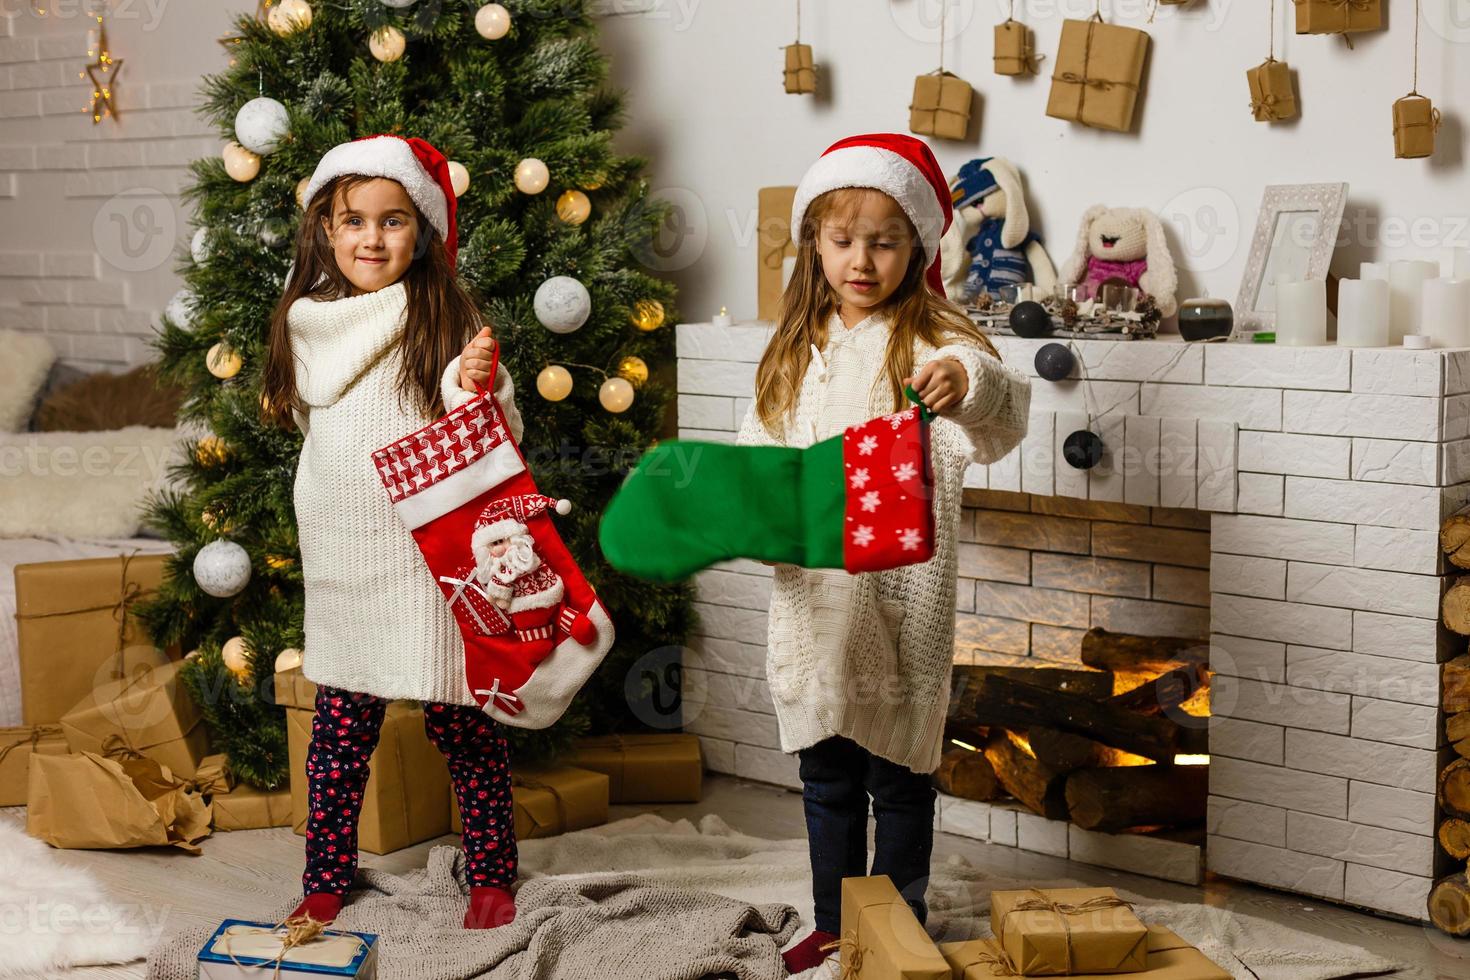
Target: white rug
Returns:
[[713, 857], [53, 917]]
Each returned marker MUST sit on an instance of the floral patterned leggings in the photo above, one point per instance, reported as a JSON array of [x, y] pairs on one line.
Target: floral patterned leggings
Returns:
[[343, 736]]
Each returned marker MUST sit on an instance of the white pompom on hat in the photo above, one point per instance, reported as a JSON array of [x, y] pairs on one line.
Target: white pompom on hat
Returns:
[[508, 516]]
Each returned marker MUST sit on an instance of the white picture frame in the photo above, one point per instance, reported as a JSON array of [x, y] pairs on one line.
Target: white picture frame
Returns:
[[1295, 235]]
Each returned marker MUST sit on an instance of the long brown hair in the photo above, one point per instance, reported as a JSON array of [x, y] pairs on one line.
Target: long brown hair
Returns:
[[915, 313], [442, 313]]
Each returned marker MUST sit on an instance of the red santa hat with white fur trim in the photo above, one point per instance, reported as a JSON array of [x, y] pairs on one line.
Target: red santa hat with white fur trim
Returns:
[[508, 516], [416, 164], [900, 166]]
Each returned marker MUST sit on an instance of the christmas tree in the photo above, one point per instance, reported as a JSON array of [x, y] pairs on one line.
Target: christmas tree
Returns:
[[516, 95]]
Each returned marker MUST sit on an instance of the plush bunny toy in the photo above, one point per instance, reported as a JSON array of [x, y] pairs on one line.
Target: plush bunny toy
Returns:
[[1124, 245], [989, 244]]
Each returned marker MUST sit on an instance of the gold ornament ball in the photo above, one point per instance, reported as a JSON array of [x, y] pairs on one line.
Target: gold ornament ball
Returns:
[[192, 655], [288, 659], [554, 383], [211, 450], [222, 361], [278, 562], [616, 394], [634, 369], [492, 21], [289, 16], [240, 163], [648, 315], [234, 656], [459, 177], [532, 176], [573, 207], [387, 43]]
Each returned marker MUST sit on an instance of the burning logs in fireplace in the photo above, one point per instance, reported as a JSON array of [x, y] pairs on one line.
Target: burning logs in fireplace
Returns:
[[1102, 746]]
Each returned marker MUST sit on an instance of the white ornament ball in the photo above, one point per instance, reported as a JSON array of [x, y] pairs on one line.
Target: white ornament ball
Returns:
[[234, 656], [554, 382], [532, 176], [222, 568], [289, 16], [261, 124], [562, 304], [616, 394], [288, 659], [387, 43], [180, 308], [492, 21], [222, 362], [241, 163], [398, 4], [199, 246], [459, 177]]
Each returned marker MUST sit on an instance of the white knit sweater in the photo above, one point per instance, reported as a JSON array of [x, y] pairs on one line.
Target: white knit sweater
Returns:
[[376, 621], [869, 656]]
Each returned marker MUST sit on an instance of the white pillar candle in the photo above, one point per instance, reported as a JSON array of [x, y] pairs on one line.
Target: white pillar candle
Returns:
[[1405, 282], [1445, 311], [1374, 270], [1459, 264], [1301, 313], [1362, 313]]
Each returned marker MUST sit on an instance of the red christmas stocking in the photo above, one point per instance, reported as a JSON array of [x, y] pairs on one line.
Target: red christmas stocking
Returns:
[[533, 628]]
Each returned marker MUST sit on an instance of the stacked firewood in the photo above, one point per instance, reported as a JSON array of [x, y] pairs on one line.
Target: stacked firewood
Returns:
[[1099, 745], [1449, 899]]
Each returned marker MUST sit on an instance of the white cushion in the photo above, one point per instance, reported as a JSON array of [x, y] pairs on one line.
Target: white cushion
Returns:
[[25, 360]]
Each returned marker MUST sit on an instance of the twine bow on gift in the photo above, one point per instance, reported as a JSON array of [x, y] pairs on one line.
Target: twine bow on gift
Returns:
[[129, 592], [1029, 60], [850, 951], [1085, 81], [1346, 7], [117, 746], [1062, 910], [997, 959], [37, 732], [300, 930]]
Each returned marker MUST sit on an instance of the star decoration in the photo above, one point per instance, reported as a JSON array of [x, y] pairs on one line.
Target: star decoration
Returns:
[[103, 72]]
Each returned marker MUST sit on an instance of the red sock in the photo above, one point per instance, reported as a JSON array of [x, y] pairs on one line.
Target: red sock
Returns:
[[807, 953], [321, 906], [489, 907]]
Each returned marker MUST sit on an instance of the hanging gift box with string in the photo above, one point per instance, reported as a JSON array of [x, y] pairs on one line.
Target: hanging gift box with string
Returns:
[[801, 73], [941, 102], [1098, 70], [1272, 99], [1415, 119]]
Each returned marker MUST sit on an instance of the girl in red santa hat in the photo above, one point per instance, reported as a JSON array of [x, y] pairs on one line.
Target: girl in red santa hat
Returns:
[[373, 338], [859, 665]]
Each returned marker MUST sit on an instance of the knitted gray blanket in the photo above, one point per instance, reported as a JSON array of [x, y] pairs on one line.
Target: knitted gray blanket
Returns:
[[584, 928]]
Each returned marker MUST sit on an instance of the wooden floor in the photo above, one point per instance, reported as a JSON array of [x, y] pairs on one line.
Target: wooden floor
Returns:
[[254, 867]]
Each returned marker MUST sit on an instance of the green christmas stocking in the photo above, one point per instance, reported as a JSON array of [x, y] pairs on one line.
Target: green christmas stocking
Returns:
[[862, 501]]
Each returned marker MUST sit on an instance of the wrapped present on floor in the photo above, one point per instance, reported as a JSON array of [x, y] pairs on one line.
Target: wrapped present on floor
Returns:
[[801, 73], [244, 950], [776, 252], [940, 106], [74, 629], [83, 800], [881, 938], [644, 768], [1169, 958], [403, 802], [1338, 16], [1098, 70], [552, 801], [1415, 123], [1271, 97], [149, 714], [17, 745], [1059, 931], [248, 808], [293, 690], [1014, 49]]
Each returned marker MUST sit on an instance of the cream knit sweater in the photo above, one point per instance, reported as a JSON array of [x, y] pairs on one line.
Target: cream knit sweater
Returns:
[[376, 621], [868, 656]]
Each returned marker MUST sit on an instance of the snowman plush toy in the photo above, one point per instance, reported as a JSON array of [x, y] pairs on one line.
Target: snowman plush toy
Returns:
[[990, 243]]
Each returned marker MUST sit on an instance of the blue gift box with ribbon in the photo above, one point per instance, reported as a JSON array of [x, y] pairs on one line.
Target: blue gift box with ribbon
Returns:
[[240, 950]]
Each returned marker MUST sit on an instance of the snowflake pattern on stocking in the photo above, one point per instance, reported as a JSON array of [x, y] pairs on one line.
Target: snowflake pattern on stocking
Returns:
[[889, 502]]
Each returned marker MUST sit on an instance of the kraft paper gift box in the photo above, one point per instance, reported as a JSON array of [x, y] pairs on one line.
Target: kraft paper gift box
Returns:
[[293, 690], [801, 73], [150, 714], [775, 251], [82, 800], [1098, 70], [248, 808], [1271, 97], [403, 802], [548, 802], [17, 745], [1059, 931], [1415, 122], [881, 939], [940, 106], [244, 950], [72, 624], [1338, 16], [1013, 49], [1169, 958], [644, 768]]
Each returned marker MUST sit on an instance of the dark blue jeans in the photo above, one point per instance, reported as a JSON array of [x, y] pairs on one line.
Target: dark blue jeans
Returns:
[[837, 777]]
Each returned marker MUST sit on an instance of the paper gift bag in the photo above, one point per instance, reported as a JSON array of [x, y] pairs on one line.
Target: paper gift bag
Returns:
[[1169, 958], [72, 620], [151, 714], [212, 776], [775, 251], [83, 800], [1014, 53], [1338, 16], [1271, 96], [403, 802], [293, 690], [644, 768], [558, 800], [1059, 931], [248, 808], [1099, 67], [1415, 122], [801, 73], [245, 950], [940, 106], [17, 745], [881, 939]]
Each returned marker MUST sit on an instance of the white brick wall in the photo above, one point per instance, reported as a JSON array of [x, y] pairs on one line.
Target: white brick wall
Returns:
[[1315, 575]]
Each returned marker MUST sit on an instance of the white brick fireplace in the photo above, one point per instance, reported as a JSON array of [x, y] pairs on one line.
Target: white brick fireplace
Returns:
[[1321, 476]]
